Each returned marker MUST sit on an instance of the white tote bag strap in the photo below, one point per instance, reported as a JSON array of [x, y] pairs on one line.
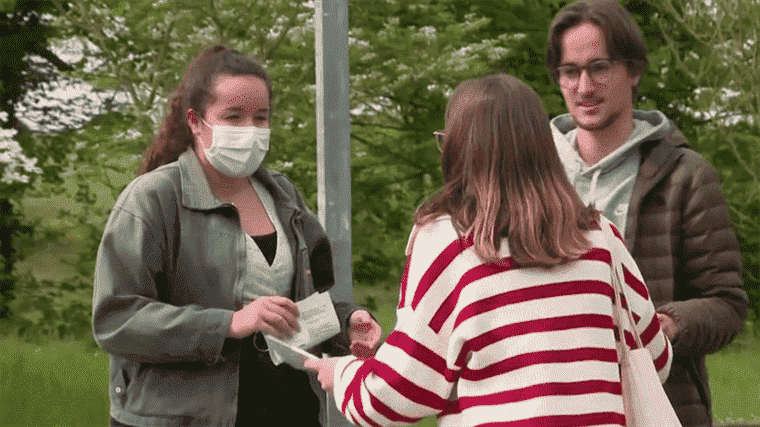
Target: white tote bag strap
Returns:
[[644, 399], [618, 288]]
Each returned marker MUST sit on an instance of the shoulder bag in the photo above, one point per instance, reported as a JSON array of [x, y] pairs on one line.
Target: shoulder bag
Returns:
[[644, 399]]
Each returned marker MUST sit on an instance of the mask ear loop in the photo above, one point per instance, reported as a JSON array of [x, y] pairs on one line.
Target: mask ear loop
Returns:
[[205, 123], [256, 344]]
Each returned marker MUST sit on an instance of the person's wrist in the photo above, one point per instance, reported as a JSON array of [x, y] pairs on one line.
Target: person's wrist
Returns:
[[234, 330]]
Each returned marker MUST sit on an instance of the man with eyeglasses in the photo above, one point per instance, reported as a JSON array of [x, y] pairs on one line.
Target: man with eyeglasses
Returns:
[[665, 199]]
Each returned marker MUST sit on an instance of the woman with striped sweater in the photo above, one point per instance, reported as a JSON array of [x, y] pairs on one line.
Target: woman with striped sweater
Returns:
[[505, 306]]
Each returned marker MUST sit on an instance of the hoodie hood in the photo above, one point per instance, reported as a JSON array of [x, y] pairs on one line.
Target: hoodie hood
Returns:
[[607, 184]]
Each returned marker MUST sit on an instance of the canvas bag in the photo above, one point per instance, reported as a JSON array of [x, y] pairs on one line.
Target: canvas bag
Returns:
[[644, 399]]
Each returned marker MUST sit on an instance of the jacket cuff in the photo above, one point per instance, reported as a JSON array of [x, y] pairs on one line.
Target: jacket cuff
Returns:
[[218, 325]]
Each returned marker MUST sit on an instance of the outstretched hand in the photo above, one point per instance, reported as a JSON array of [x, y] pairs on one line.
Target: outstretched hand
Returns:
[[365, 334], [325, 369]]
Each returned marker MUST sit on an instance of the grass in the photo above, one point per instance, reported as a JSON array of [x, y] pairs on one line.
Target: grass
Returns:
[[57, 384], [66, 383], [734, 375]]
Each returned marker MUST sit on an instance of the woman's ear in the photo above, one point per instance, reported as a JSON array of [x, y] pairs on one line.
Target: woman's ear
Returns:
[[192, 121]]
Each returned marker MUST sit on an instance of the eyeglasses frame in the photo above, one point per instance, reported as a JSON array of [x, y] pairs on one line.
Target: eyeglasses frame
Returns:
[[587, 68]]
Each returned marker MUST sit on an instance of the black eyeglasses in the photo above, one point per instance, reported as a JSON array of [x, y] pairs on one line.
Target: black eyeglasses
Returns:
[[439, 139], [599, 71]]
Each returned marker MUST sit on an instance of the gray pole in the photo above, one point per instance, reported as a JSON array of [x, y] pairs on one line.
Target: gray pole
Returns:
[[334, 137], [334, 151]]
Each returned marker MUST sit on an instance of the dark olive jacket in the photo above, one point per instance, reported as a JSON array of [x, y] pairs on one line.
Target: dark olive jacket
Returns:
[[680, 234]]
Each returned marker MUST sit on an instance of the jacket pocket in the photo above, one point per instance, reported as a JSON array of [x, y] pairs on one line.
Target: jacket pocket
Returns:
[[118, 387]]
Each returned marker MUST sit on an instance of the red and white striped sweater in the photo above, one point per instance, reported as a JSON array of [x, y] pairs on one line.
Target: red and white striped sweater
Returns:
[[496, 344]]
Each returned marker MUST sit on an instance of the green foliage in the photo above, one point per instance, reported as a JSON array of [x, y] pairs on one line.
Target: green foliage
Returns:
[[52, 310], [406, 57], [714, 47]]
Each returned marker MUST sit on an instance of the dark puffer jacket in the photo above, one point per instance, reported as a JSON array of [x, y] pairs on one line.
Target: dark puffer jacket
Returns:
[[679, 232]]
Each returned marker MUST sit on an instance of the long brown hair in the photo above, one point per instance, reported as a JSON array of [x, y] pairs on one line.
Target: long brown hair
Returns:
[[174, 136], [624, 39], [503, 177]]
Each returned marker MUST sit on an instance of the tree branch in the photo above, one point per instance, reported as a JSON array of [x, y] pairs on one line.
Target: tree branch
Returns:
[[280, 38], [365, 124], [214, 17], [159, 60], [382, 148], [44, 52]]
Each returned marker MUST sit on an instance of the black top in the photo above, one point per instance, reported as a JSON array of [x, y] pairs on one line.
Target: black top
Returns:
[[268, 245]]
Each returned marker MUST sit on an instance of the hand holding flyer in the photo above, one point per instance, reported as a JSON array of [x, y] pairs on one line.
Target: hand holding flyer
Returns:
[[318, 322]]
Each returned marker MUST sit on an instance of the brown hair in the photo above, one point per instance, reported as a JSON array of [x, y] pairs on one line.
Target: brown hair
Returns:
[[623, 37], [503, 176], [195, 90]]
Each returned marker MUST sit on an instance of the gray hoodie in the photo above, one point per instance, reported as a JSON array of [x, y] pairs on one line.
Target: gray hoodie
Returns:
[[608, 183]]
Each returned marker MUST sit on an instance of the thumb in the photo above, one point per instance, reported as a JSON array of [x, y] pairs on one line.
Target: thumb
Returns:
[[360, 317], [312, 365]]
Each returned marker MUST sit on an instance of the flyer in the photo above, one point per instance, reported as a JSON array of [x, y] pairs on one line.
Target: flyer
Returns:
[[285, 352], [318, 321]]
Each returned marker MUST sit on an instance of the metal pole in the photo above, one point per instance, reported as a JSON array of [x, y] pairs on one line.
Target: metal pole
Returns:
[[334, 137], [334, 151]]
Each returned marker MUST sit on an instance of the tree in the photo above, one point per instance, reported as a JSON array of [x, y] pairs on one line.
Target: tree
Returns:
[[720, 57], [406, 58], [26, 62]]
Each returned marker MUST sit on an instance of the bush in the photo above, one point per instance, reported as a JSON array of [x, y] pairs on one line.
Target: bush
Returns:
[[52, 310]]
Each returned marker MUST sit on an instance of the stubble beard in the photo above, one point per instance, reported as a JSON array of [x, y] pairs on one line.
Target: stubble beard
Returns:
[[609, 121]]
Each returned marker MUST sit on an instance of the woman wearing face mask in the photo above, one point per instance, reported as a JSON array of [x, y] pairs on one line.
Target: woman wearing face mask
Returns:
[[204, 252]]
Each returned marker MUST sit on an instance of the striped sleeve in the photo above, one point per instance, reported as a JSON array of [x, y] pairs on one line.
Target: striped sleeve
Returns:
[[642, 308], [409, 377]]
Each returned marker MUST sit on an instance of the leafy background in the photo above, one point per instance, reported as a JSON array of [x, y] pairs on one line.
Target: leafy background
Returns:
[[92, 79], [84, 86]]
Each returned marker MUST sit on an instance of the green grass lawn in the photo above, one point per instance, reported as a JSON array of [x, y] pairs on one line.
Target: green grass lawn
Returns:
[[66, 383], [735, 385], [56, 384]]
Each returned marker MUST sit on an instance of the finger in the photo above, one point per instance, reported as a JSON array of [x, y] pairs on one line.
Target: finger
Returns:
[[269, 330], [312, 365], [288, 310], [277, 324], [371, 337], [362, 351], [360, 317], [280, 316], [285, 303]]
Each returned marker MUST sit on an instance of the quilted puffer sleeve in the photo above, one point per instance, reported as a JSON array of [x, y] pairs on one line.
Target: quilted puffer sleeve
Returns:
[[710, 306]]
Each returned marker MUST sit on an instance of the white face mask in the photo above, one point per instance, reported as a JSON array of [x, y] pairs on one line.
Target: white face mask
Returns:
[[237, 151]]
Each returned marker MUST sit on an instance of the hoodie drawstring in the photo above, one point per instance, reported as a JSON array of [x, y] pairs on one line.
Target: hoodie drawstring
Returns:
[[592, 191]]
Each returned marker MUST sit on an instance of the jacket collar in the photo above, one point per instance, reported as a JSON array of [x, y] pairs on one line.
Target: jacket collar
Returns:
[[196, 193], [658, 154]]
